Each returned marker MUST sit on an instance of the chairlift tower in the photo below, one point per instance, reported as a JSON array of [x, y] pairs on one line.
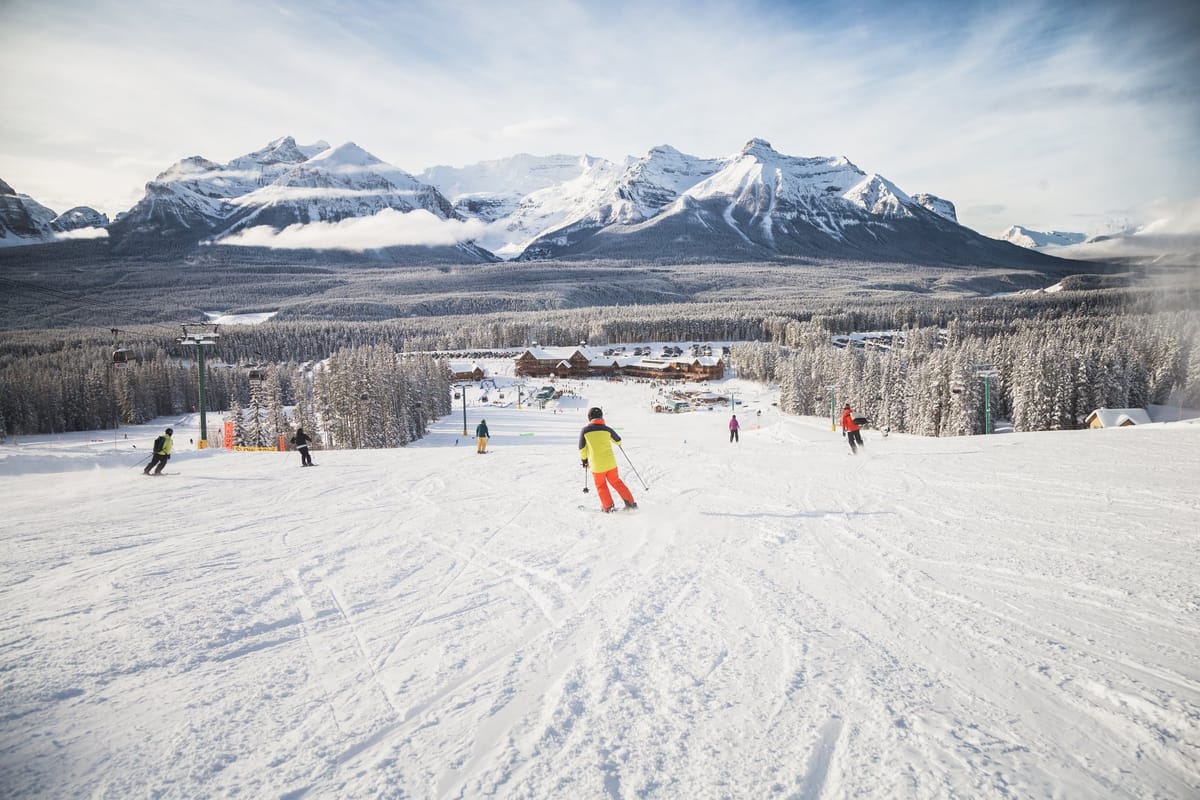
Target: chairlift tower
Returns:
[[462, 387], [833, 406], [202, 335], [987, 372]]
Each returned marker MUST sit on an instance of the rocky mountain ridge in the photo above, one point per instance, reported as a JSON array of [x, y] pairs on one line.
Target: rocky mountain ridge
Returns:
[[755, 204]]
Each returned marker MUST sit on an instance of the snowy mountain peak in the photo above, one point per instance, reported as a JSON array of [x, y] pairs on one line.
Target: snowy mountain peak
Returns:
[[283, 150], [943, 208], [79, 218], [758, 147], [187, 169], [663, 150], [336, 184], [349, 166], [5, 189], [879, 196], [345, 155], [1026, 237]]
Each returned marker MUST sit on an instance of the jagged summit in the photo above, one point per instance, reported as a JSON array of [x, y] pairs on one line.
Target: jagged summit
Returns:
[[283, 150], [5, 188], [335, 184], [280, 184], [346, 155], [757, 146]]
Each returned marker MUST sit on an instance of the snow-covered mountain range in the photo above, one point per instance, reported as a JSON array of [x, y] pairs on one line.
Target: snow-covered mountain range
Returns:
[[23, 220], [754, 204]]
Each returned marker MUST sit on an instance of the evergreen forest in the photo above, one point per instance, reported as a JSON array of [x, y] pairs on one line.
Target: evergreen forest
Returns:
[[1049, 359]]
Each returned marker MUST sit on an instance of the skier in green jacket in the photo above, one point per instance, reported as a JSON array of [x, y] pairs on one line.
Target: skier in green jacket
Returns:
[[162, 453]]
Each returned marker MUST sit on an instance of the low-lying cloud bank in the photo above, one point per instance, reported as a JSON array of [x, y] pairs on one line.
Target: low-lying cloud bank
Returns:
[[82, 233], [387, 228]]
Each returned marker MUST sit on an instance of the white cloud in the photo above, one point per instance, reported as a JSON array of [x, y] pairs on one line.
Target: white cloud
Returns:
[[388, 228], [83, 233], [524, 129]]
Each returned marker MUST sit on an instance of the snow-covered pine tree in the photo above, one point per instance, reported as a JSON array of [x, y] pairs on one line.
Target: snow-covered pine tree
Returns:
[[275, 417], [239, 423]]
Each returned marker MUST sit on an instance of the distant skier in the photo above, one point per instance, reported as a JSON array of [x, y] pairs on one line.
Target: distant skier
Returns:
[[850, 428], [301, 440], [481, 436], [595, 450], [162, 453], [734, 427]]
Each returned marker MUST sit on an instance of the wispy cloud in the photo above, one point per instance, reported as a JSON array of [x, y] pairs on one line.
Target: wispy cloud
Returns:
[[388, 228], [523, 129]]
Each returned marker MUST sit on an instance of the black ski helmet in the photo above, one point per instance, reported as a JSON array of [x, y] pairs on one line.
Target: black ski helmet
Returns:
[[169, 431], [595, 413]]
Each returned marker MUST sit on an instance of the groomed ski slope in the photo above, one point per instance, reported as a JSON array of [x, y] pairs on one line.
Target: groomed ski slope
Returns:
[[1014, 616]]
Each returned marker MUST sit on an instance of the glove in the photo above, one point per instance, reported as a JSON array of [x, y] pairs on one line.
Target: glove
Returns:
[[584, 463]]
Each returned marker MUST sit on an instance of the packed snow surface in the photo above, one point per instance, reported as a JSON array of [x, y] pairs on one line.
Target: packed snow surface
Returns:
[[1004, 616]]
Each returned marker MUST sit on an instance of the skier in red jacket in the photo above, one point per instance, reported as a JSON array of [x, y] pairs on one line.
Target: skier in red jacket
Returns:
[[850, 428]]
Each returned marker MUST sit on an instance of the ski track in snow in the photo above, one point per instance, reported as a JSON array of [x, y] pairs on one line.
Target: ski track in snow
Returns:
[[1006, 616]]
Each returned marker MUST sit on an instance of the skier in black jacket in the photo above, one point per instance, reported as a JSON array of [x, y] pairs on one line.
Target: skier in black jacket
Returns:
[[301, 441]]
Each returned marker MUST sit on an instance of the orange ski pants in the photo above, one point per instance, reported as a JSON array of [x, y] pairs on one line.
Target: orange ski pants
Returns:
[[611, 478]]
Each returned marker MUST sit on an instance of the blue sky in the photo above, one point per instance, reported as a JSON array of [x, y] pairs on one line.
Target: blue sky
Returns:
[[1048, 114]]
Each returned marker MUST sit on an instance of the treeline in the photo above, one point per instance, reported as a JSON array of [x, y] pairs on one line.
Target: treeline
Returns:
[[1058, 355], [73, 388], [1043, 373]]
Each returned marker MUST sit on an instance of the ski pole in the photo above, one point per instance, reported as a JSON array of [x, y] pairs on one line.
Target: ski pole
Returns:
[[585, 486], [632, 467]]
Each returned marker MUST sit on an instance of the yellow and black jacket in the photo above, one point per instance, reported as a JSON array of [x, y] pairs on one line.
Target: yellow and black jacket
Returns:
[[595, 444]]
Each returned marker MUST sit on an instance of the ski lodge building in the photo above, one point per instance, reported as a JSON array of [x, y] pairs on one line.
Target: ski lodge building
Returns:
[[1117, 417], [466, 371], [590, 362]]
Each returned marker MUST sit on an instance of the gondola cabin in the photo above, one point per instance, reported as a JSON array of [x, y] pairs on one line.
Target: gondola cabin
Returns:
[[256, 376], [122, 357]]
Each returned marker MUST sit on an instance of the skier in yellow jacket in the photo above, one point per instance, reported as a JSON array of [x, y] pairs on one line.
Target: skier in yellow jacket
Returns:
[[162, 453], [595, 450]]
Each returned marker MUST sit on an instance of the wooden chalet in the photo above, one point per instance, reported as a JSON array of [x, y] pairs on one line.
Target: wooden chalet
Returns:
[[1117, 418], [564, 362], [466, 371], [584, 363]]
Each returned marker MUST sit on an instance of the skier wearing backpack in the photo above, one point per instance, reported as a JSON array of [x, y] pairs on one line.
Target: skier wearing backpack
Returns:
[[595, 450], [301, 440], [162, 453], [481, 436], [850, 428]]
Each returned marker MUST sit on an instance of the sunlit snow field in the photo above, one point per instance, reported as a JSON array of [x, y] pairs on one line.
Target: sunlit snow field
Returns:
[[1007, 616]]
